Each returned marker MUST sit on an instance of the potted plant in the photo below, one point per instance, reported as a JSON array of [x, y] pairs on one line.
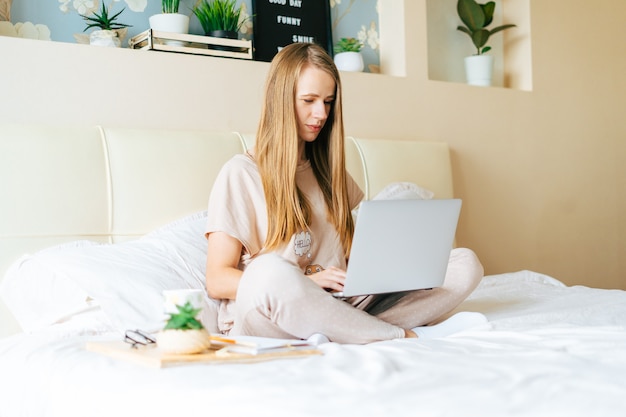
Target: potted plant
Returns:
[[110, 32], [183, 333], [220, 19], [476, 17], [348, 55], [170, 20]]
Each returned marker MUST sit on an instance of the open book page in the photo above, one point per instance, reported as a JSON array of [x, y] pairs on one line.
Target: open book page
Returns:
[[254, 344]]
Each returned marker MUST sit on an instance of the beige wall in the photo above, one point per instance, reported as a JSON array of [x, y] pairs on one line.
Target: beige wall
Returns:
[[540, 171]]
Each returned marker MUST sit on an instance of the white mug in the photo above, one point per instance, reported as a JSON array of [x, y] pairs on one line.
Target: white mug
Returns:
[[172, 298]]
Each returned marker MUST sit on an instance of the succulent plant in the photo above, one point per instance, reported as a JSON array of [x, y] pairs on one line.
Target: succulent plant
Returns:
[[185, 319], [219, 15], [170, 6], [348, 45], [103, 20]]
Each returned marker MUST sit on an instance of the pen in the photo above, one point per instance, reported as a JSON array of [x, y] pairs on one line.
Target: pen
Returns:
[[222, 339]]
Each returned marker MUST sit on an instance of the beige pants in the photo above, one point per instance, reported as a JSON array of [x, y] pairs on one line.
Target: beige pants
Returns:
[[275, 299]]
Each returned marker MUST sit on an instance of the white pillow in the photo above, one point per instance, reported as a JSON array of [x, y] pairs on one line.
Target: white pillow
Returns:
[[126, 279], [37, 296], [400, 191], [404, 191]]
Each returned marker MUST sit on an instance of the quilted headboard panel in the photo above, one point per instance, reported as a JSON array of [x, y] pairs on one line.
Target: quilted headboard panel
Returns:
[[43, 173], [426, 164], [161, 176]]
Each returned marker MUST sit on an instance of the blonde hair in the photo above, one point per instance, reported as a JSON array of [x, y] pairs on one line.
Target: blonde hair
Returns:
[[276, 151]]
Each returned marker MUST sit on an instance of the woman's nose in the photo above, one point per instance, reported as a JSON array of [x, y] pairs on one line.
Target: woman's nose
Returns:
[[319, 111]]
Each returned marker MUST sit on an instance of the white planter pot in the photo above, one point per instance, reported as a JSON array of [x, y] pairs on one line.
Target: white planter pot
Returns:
[[104, 38], [183, 342], [170, 22], [349, 61], [479, 70]]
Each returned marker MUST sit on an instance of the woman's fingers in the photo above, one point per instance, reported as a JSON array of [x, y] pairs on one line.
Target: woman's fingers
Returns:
[[331, 278]]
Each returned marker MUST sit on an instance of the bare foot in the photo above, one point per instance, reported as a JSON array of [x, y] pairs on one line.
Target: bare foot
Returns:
[[410, 334]]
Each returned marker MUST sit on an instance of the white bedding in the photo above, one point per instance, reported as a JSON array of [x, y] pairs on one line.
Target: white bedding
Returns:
[[550, 350]]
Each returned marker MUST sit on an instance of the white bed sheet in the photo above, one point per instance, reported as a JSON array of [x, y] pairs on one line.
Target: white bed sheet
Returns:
[[550, 350]]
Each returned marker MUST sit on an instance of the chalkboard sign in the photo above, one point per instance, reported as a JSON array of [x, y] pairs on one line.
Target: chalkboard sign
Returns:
[[278, 23]]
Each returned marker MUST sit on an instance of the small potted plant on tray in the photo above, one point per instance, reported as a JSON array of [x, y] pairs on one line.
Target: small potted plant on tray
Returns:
[[183, 333], [110, 31], [348, 55], [220, 19], [170, 20], [476, 17]]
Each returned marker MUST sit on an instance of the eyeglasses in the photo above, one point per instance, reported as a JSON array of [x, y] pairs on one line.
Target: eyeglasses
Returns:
[[138, 337]]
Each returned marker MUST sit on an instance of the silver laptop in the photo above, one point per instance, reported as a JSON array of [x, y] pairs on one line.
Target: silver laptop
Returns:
[[400, 245]]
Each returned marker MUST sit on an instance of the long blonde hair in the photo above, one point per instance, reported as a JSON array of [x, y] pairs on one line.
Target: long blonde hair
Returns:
[[276, 152]]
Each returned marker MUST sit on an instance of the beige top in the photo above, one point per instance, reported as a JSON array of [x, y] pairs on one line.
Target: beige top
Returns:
[[237, 207]]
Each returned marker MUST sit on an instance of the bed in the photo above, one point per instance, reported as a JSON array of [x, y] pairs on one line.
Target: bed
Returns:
[[98, 221]]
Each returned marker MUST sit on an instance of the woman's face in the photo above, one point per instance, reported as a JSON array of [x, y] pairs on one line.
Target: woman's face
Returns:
[[315, 94]]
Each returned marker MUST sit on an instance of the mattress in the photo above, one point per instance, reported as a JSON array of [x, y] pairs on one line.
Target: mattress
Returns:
[[548, 350]]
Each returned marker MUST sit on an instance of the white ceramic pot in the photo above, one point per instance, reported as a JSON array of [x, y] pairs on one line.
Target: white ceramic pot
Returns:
[[479, 70], [183, 342], [173, 298], [104, 38], [170, 22], [349, 61]]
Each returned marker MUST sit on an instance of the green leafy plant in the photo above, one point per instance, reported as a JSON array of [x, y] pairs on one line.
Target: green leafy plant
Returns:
[[103, 20], [170, 6], [185, 319], [476, 18], [348, 45], [219, 15]]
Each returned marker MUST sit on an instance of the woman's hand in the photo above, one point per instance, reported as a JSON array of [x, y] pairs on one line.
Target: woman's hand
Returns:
[[331, 279]]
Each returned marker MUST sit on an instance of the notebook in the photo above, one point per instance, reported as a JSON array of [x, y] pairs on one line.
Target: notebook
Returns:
[[400, 245]]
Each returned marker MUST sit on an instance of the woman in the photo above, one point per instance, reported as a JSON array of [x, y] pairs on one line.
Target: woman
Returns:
[[280, 227]]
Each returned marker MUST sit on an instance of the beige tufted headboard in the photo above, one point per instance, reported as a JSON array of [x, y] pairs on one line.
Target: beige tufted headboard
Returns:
[[59, 184]]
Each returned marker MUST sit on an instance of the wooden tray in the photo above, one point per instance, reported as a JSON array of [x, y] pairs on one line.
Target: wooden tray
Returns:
[[151, 355], [191, 44]]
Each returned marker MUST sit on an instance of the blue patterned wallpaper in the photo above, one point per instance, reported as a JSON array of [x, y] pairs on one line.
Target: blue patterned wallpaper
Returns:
[[59, 20]]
